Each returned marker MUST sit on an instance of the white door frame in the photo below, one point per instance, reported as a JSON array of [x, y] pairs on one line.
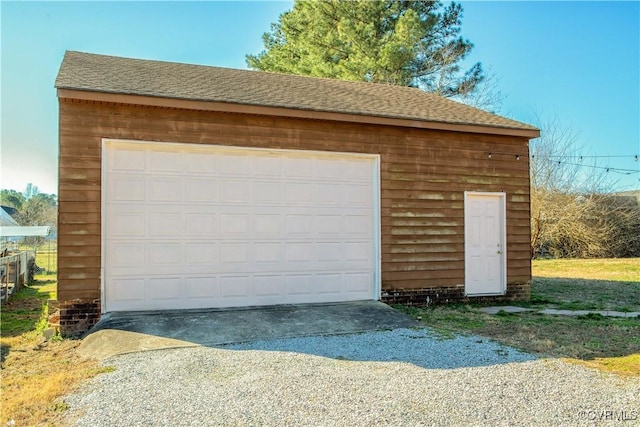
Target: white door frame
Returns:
[[501, 250], [377, 232]]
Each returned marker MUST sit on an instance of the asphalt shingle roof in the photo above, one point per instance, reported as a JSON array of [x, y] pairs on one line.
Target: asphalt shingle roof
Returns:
[[117, 75]]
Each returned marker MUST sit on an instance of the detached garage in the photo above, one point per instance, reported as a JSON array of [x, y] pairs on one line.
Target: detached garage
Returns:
[[186, 187]]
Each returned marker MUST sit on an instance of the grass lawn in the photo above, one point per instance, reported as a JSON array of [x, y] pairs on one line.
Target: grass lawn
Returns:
[[35, 373], [611, 344]]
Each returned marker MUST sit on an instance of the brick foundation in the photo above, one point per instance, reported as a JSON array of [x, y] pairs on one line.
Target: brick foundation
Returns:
[[451, 294], [78, 316]]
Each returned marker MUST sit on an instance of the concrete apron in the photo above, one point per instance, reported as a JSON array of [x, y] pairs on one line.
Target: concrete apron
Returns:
[[126, 332]]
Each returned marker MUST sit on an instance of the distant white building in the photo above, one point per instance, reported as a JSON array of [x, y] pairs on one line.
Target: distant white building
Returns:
[[30, 191]]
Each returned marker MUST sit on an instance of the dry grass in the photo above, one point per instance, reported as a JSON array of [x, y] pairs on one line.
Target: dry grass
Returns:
[[36, 373], [615, 269], [624, 365], [610, 344], [35, 376]]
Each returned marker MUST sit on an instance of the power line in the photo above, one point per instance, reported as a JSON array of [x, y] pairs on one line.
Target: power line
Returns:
[[563, 161], [608, 169], [627, 156]]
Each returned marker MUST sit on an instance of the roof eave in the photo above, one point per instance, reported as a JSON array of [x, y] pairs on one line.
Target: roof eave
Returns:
[[227, 107]]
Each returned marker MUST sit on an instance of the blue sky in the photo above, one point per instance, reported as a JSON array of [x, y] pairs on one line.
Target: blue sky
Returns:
[[574, 61]]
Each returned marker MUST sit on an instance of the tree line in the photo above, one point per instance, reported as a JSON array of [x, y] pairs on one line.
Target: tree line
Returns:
[[420, 44], [574, 211]]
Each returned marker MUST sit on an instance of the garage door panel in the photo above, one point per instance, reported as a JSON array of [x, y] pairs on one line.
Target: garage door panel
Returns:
[[357, 282], [298, 193], [202, 288], [268, 285], [297, 252], [332, 169], [130, 290], [165, 288], [127, 224], [268, 225], [164, 161], [269, 166], [235, 287], [166, 256], [359, 196], [358, 225], [235, 224], [358, 171], [268, 192], [330, 283], [201, 163], [267, 252], [299, 167], [236, 191], [165, 189], [166, 224], [234, 256], [127, 258], [299, 284], [127, 188], [329, 194], [199, 226], [235, 165], [200, 256], [328, 225], [127, 159], [200, 190], [298, 224], [332, 252]]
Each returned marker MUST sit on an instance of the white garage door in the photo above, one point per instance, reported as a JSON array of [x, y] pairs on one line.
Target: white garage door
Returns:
[[189, 226]]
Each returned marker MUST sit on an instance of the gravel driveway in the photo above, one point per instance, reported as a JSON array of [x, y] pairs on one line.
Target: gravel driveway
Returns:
[[402, 377]]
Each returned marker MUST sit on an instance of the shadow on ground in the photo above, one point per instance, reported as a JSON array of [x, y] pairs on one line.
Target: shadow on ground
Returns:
[[586, 294], [361, 330]]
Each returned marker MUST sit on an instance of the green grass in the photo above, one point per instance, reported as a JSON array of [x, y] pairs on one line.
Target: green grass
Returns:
[[603, 342], [36, 373], [612, 269], [586, 294], [26, 311], [600, 284]]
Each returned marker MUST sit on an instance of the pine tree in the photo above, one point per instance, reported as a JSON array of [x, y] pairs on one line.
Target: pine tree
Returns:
[[408, 43]]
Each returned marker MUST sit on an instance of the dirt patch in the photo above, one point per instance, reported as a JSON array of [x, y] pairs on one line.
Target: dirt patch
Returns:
[[35, 375]]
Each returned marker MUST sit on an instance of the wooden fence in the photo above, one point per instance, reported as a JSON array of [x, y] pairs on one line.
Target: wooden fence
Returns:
[[15, 271]]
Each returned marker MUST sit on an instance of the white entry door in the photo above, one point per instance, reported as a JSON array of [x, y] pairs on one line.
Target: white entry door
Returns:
[[194, 226], [485, 243]]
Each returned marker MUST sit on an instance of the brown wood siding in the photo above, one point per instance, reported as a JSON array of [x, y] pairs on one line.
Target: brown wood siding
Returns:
[[423, 176]]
